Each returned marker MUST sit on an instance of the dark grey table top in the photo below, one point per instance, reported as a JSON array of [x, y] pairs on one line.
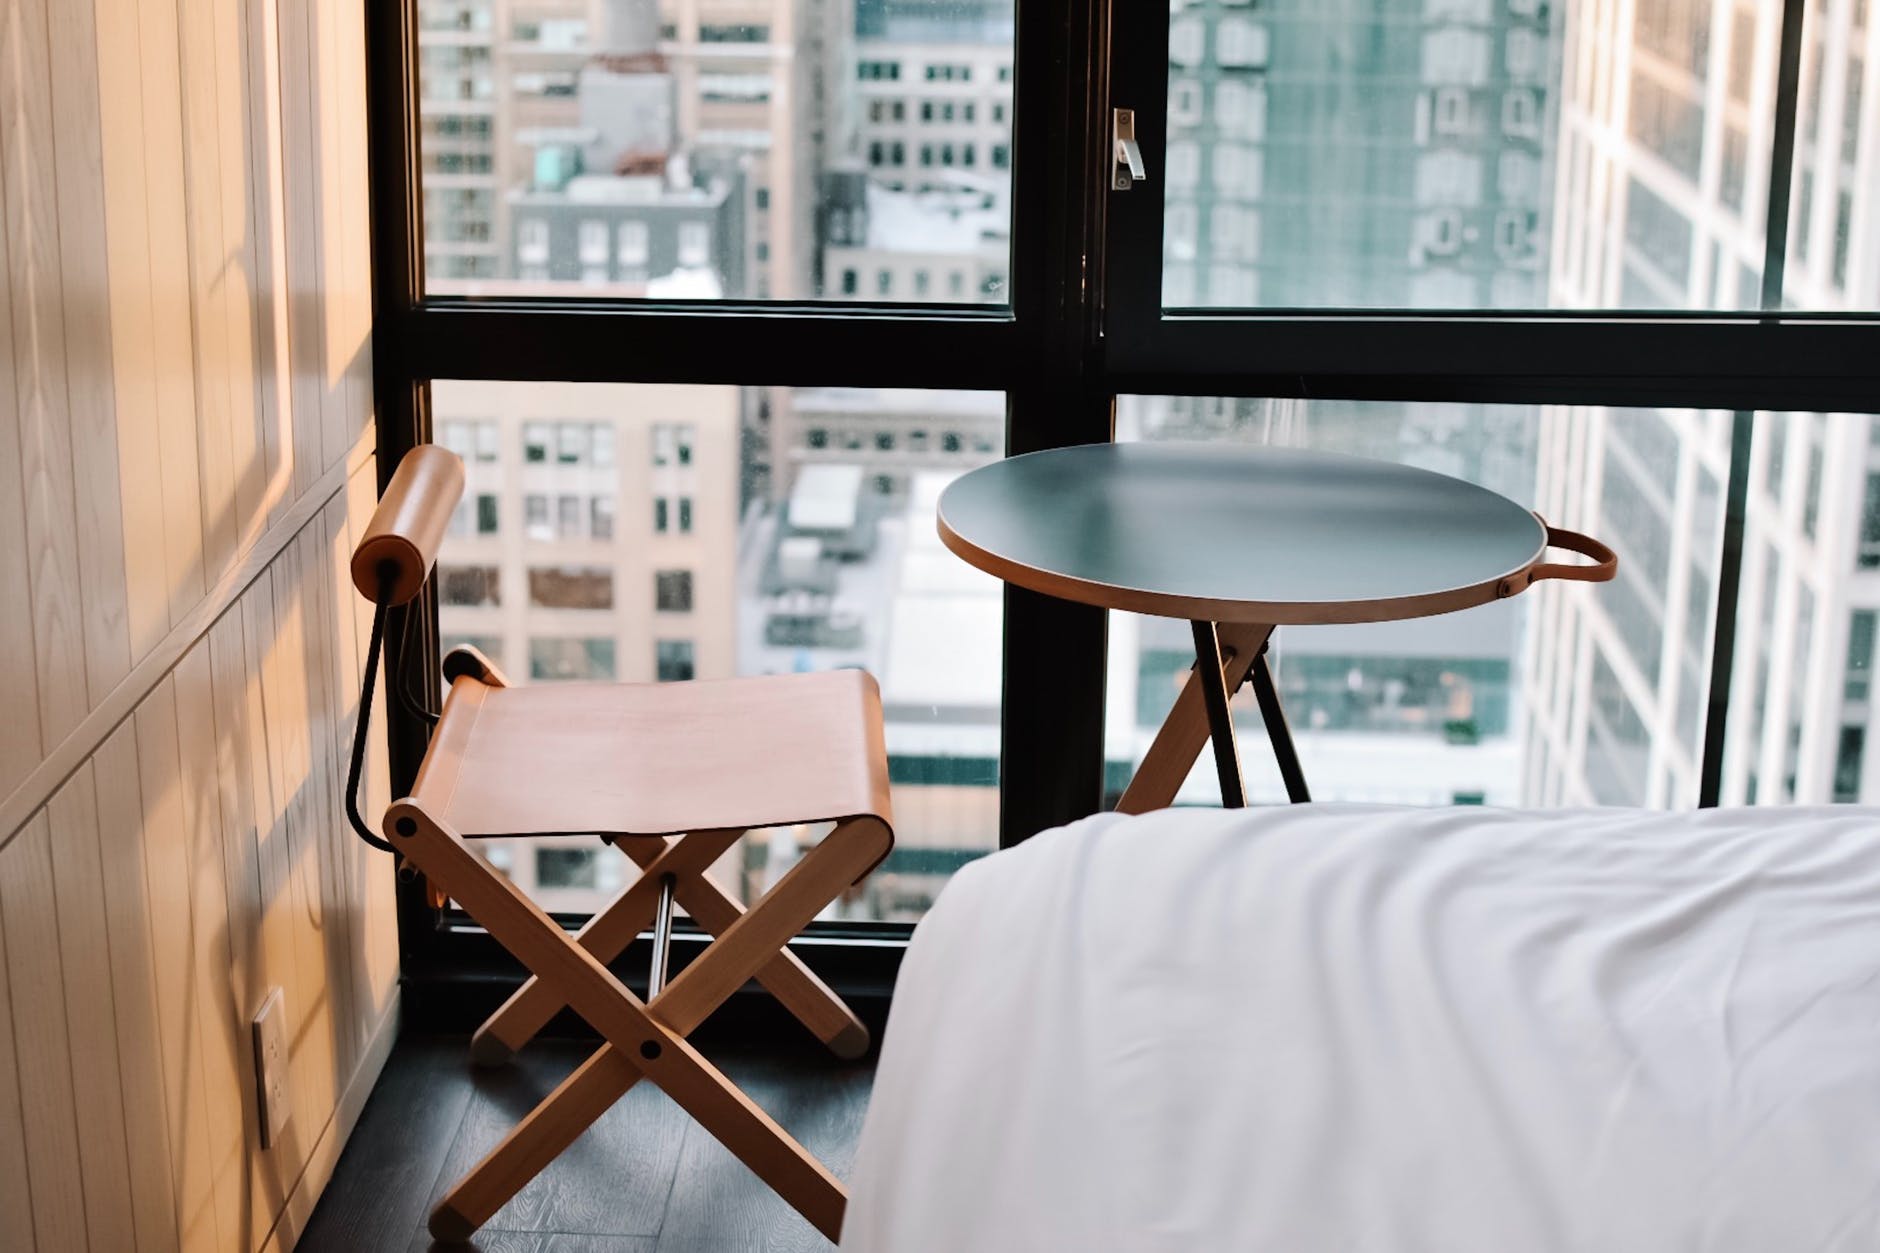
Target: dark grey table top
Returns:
[[1238, 533]]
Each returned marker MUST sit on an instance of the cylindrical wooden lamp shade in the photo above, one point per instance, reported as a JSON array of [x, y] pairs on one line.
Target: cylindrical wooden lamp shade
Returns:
[[409, 523]]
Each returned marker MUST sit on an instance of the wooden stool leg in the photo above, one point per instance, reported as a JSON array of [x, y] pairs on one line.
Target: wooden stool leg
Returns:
[[642, 1039], [783, 976], [1184, 732], [606, 936]]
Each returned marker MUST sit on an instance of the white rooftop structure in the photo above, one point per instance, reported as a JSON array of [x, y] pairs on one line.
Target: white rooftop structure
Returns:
[[826, 497]]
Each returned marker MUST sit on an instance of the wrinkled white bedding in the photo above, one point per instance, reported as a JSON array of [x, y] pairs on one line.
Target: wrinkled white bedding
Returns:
[[1365, 1028]]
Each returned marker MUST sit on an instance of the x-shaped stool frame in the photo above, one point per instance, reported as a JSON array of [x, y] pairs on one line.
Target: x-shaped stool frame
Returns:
[[648, 1039]]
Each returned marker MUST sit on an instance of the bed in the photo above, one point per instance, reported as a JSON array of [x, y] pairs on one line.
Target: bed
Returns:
[[1338, 1027]]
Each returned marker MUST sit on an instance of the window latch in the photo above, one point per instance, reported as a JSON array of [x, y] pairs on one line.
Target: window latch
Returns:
[[1128, 171]]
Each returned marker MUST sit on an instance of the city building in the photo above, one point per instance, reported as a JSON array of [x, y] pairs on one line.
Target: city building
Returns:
[[459, 119], [747, 101], [933, 92], [614, 201], [1663, 177]]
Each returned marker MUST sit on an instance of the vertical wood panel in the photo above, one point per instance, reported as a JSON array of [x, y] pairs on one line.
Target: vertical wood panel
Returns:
[[294, 886], [20, 744], [357, 862], [223, 1038], [355, 277], [133, 336], [247, 449], [38, 347], [237, 702], [91, 1019], [167, 873], [86, 329], [16, 1199], [48, 1112], [208, 263], [133, 991], [170, 306], [267, 227], [322, 831], [300, 155], [339, 869]]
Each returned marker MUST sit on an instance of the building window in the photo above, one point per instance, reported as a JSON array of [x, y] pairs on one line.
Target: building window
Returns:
[[672, 660], [535, 436], [468, 586], [535, 520], [593, 243], [660, 515], [685, 515], [571, 587], [884, 282], [1847, 764], [532, 241], [734, 33], [695, 243], [570, 442], [601, 517], [566, 868], [1861, 630], [486, 513], [568, 517], [672, 591], [602, 438], [632, 245], [571, 659], [1869, 556], [849, 282]]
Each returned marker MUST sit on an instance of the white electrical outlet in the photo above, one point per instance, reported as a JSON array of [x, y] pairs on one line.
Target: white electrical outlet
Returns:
[[270, 1030]]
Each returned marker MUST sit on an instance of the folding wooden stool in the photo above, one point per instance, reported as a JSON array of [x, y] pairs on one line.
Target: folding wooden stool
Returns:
[[671, 773]]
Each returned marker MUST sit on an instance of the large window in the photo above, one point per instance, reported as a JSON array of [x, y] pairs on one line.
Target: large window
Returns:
[[713, 311], [790, 555]]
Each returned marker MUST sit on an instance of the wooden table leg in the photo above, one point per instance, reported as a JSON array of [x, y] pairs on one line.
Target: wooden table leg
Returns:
[[1185, 731]]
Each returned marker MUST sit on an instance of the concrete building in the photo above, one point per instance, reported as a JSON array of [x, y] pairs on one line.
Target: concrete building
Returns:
[[750, 91], [1663, 175], [933, 92], [614, 202], [459, 118]]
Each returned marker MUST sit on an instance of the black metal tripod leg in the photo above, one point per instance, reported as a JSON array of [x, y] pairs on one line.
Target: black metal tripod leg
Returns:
[[1274, 715], [1209, 672]]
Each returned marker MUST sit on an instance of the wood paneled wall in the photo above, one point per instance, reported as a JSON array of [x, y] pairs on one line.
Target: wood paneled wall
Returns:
[[185, 457]]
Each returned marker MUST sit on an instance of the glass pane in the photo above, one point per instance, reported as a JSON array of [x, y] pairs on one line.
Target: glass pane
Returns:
[[720, 531], [707, 149], [1570, 693], [1803, 726], [1506, 154]]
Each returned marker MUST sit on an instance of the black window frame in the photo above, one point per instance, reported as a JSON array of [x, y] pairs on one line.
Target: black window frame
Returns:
[[1084, 324]]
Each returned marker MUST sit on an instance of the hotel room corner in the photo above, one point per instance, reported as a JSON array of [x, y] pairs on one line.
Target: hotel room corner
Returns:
[[185, 461]]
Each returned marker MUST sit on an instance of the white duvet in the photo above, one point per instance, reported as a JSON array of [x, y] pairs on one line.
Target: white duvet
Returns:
[[1357, 1028]]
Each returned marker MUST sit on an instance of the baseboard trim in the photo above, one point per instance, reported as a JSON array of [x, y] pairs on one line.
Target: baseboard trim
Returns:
[[321, 1162]]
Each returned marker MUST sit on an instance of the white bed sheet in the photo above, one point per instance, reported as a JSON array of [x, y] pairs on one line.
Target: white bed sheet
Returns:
[[1365, 1028]]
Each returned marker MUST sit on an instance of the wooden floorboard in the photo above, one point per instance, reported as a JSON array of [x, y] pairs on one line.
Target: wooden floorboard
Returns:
[[644, 1179], [376, 1197]]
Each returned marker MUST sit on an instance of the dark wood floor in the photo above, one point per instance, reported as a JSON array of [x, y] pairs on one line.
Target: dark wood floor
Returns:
[[644, 1179]]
